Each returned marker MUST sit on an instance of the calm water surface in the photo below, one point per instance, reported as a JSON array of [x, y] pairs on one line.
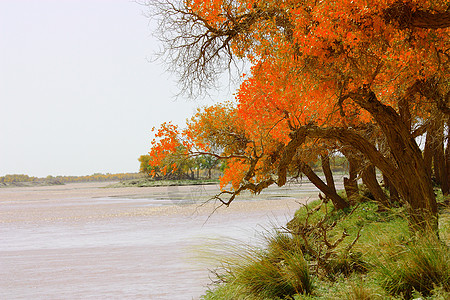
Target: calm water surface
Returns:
[[131, 247]]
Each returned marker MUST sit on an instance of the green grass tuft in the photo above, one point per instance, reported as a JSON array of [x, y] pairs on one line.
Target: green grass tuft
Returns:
[[279, 271], [421, 266]]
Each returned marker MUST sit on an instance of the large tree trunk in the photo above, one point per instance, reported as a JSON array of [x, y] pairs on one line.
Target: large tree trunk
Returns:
[[440, 168], [428, 151], [447, 159], [434, 153], [410, 177], [407, 172], [438, 159], [404, 15], [393, 193], [440, 165], [337, 200], [369, 178], [351, 182], [326, 168]]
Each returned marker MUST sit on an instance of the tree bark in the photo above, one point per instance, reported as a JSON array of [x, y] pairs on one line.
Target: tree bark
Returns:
[[434, 153], [351, 182], [428, 150], [440, 165], [412, 179], [369, 178], [406, 170], [402, 13], [393, 193], [408, 173], [428, 20], [447, 159], [337, 200], [297, 139], [326, 168]]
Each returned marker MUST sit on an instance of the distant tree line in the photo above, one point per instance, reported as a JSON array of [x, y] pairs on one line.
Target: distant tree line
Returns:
[[181, 167], [14, 178], [206, 166]]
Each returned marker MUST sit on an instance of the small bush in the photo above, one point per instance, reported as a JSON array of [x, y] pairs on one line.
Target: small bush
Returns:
[[282, 271], [296, 272], [278, 271]]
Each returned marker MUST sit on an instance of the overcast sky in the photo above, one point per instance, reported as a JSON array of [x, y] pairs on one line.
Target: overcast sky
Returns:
[[78, 94]]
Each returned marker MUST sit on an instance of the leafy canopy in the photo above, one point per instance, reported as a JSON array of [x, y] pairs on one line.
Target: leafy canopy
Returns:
[[323, 74]]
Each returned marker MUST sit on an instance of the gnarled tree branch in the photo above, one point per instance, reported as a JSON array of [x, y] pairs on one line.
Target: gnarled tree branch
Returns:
[[406, 16]]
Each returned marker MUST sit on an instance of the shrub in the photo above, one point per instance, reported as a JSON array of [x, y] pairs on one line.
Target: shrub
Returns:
[[278, 272]]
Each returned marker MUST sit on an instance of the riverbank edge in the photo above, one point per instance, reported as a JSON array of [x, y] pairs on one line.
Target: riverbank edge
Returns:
[[114, 184], [30, 184], [146, 182]]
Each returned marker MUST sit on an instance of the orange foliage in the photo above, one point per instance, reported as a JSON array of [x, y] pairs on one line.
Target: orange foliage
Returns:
[[165, 142], [305, 56]]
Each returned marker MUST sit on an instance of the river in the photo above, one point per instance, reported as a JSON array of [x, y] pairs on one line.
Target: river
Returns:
[[83, 241]]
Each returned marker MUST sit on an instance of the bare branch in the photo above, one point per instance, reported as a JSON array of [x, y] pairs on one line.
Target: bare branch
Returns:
[[198, 50]]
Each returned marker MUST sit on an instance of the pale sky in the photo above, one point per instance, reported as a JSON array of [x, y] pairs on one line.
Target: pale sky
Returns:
[[78, 94]]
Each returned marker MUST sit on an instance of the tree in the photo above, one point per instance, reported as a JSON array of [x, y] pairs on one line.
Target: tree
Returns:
[[208, 163], [144, 166], [365, 75]]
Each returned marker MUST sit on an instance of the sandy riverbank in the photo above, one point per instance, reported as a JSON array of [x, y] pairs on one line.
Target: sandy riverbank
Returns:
[[93, 200]]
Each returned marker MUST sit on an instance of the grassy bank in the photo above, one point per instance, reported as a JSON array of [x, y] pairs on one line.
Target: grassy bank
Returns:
[[325, 254], [149, 182]]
